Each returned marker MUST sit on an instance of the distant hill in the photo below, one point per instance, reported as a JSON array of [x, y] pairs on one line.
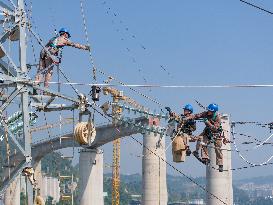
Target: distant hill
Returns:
[[256, 180], [179, 188]]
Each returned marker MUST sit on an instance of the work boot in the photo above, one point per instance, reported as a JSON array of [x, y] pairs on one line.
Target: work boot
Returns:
[[221, 168], [46, 93], [35, 92], [205, 161], [188, 152], [196, 154]]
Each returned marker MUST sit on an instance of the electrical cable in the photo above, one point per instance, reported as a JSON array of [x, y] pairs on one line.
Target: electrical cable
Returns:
[[87, 41], [257, 7], [131, 35], [67, 79], [121, 84], [100, 70], [251, 166], [133, 58], [155, 101], [38, 38], [255, 139], [264, 142], [193, 181], [242, 157], [225, 86]]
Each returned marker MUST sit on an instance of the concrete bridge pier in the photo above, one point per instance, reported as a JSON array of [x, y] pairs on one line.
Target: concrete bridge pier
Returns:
[[154, 183], [38, 176], [91, 177], [220, 183], [12, 195]]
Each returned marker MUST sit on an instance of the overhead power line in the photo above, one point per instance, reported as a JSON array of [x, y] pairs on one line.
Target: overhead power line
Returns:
[[257, 7], [243, 167], [167, 86], [243, 158]]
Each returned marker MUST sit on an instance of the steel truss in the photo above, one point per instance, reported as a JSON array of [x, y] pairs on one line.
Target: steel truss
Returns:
[[16, 77]]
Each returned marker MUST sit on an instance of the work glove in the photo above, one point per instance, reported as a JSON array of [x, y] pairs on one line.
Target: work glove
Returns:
[[168, 109], [56, 60], [172, 114], [225, 141], [205, 120], [188, 118], [87, 48], [193, 139]]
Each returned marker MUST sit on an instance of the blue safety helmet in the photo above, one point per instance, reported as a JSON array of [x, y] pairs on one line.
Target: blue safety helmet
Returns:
[[188, 107], [64, 30], [213, 107]]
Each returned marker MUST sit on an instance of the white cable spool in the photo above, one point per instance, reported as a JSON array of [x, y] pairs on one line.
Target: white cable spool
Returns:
[[85, 133]]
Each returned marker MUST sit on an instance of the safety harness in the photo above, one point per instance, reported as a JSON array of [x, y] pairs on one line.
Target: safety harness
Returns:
[[187, 127], [184, 126], [54, 43], [211, 134]]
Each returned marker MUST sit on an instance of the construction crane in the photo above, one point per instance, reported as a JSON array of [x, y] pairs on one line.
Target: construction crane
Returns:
[[65, 185], [117, 96]]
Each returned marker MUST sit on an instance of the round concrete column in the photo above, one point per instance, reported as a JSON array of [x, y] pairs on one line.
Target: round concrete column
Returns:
[[91, 177], [220, 183], [154, 171], [12, 195]]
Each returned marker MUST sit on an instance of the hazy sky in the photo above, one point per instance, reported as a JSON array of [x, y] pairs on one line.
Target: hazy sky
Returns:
[[197, 42]]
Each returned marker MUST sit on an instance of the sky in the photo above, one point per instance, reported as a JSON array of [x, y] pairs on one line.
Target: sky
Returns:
[[175, 42]]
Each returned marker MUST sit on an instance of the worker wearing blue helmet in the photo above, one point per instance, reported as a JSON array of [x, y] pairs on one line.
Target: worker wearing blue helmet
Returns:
[[183, 134], [51, 55], [211, 134]]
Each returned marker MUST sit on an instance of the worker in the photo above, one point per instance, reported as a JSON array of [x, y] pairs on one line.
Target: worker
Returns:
[[183, 133], [51, 55], [211, 134]]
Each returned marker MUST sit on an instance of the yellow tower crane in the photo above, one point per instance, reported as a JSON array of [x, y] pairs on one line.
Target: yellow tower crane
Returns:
[[117, 97]]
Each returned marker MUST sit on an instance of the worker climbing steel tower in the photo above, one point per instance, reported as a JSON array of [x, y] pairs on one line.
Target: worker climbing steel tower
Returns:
[[51, 55]]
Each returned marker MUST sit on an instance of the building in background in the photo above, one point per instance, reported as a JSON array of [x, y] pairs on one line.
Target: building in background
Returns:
[[191, 202], [51, 187]]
